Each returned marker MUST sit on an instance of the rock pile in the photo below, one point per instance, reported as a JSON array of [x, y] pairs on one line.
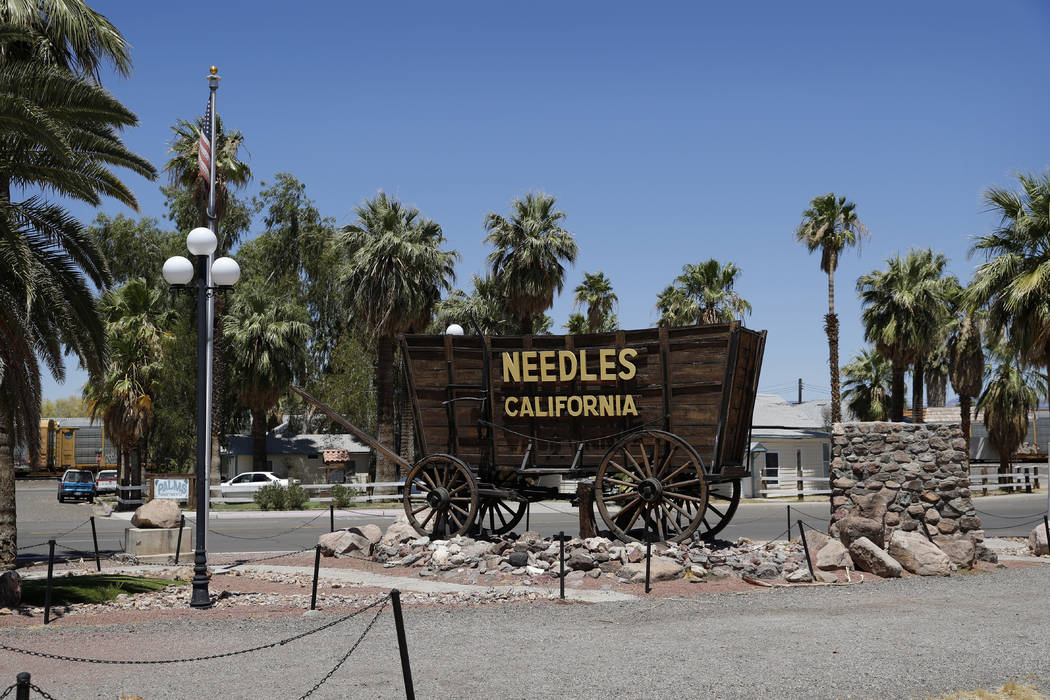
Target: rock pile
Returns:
[[532, 556]]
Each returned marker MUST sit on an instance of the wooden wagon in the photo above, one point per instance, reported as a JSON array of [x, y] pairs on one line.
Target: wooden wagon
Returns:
[[658, 418]]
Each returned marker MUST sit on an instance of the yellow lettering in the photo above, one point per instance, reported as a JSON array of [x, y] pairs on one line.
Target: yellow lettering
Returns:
[[511, 367], [629, 370], [540, 413], [526, 407], [584, 374], [547, 366], [566, 358], [605, 404], [590, 406], [559, 405], [628, 406], [575, 406], [512, 412], [607, 364], [528, 366], [617, 399]]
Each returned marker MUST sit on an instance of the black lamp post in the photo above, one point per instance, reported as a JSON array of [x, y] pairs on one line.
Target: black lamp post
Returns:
[[210, 276]]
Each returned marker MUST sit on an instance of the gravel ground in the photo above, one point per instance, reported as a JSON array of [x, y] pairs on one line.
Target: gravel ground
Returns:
[[903, 638]]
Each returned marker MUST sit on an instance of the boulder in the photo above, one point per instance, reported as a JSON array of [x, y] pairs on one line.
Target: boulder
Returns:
[[399, 532], [580, 560], [833, 556], [158, 513], [343, 543], [961, 550], [814, 540], [918, 555], [661, 569], [518, 558], [370, 532], [635, 552], [798, 576], [1037, 541], [10, 589], [873, 559], [854, 527]]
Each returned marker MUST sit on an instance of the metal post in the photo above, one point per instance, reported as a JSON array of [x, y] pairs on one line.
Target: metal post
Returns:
[[805, 548], [22, 686], [648, 561], [94, 539], [50, 573], [561, 562], [528, 512], [402, 644], [789, 522], [317, 569], [1046, 529], [178, 544], [331, 517], [200, 597]]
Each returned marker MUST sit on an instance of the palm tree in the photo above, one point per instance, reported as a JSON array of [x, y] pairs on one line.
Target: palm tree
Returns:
[[966, 368], [530, 248], [867, 383], [905, 306], [1013, 282], [1007, 400], [394, 276], [596, 294], [266, 341], [48, 262], [577, 324], [830, 225], [230, 170], [703, 294], [935, 372]]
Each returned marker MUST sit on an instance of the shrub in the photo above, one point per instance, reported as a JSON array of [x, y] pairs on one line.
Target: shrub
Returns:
[[296, 497], [342, 497], [271, 497]]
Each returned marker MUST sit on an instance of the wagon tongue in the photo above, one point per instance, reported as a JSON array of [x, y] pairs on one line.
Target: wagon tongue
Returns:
[[651, 490]]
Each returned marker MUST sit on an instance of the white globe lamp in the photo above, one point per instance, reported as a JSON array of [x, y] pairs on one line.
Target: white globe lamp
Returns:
[[454, 329], [225, 272], [177, 271], [201, 241]]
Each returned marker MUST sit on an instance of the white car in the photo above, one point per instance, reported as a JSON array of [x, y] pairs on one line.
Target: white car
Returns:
[[245, 485], [106, 481]]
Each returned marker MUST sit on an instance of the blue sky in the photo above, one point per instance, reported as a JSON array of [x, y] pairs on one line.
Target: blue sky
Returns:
[[669, 132]]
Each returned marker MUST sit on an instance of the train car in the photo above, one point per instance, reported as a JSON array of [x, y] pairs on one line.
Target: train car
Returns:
[[73, 443]]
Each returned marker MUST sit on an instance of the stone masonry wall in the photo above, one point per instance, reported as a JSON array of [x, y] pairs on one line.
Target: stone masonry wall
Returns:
[[902, 474]]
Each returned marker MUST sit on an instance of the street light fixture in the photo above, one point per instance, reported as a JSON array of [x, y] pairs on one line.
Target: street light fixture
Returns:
[[221, 274]]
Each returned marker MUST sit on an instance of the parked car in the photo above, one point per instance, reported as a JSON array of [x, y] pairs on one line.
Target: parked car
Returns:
[[106, 481], [245, 485], [76, 484]]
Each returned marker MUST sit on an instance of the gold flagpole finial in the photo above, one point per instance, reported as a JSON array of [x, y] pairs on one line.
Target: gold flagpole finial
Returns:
[[213, 70]]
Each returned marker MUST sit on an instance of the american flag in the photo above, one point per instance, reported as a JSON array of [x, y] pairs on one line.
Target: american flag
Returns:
[[204, 148]]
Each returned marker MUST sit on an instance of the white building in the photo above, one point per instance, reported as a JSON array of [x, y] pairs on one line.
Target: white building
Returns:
[[789, 442], [300, 456]]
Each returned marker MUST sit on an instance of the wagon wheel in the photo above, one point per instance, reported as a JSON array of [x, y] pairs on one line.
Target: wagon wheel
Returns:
[[656, 481], [441, 496], [722, 499], [499, 516]]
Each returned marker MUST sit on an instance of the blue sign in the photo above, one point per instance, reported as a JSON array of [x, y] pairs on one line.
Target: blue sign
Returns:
[[172, 489]]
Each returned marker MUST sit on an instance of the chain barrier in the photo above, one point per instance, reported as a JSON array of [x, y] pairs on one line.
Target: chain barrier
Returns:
[[348, 653], [56, 537], [209, 657], [1013, 525], [7, 692], [43, 693], [274, 556], [268, 537], [1011, 517]]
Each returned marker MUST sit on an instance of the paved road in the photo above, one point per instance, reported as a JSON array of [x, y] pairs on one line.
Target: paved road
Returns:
[[894, 639], [41, 517]]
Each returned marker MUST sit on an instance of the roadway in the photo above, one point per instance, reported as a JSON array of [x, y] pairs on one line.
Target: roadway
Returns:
[[41, 517]]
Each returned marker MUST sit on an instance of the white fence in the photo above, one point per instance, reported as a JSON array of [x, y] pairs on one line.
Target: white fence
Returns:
[[357, 490], [1021, 477]]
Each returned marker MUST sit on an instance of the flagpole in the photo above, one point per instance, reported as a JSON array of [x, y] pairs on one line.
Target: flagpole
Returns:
[[213, 224]]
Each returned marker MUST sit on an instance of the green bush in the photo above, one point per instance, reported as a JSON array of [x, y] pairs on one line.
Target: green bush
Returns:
[[296, 497], [271, 497], [342, 497]]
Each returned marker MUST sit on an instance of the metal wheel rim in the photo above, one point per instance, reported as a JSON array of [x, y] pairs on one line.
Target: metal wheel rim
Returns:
[[436, 472], [676, 510], [722, 500], [499, 516]]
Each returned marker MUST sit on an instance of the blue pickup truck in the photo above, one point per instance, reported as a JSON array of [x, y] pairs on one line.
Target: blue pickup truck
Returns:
[[76, 484]]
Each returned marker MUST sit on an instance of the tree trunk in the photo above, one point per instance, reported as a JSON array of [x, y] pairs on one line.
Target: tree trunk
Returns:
[[936, 388], [8, 520], [964, 414], [525, 325], [258, 440], [897, 389], [385, 467], [916, 390], [831, 327]]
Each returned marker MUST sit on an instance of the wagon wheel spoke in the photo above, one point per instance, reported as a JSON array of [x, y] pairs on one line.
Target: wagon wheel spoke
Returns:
[[679, 509], [427, 519], [679, 484], [645, 460], [618, 482], [672, 521], [720, 513], [666, 460], [637, 468], [625, 494], [659, 524], [672, 494], [678, 471]]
